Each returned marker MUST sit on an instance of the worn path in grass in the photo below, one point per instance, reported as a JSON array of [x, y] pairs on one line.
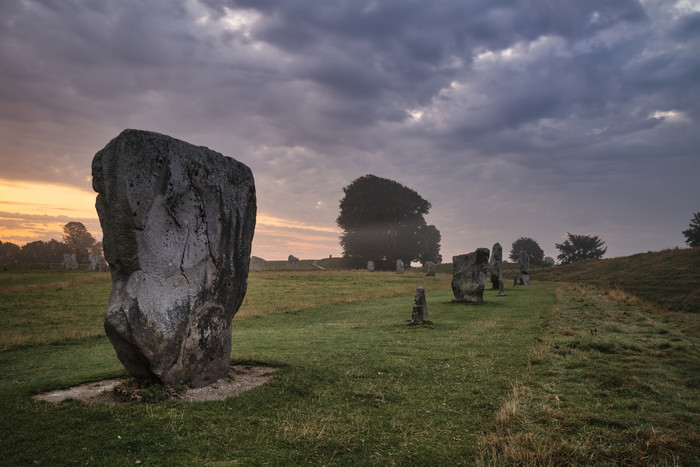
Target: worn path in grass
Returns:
[[356, 384], [613, 382]]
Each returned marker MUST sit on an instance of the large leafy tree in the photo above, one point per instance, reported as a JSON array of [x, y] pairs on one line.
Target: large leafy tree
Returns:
[[531, 246], [692, 235], [383, 221], [578, 247], [79, 240]]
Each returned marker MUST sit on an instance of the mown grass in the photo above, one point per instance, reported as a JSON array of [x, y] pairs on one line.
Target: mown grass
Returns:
[[357, 384], [549, 374], [49, 307]]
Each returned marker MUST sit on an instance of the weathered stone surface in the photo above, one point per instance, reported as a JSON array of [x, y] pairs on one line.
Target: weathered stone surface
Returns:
[[97, 263], [370, 266], [69, 261], [292, 262], [178, 223], [430, 268], [469, 275], [524, 263], [420, 307], [256, 263], [496, 266], [501, 289], [515, 281], [399, 266]]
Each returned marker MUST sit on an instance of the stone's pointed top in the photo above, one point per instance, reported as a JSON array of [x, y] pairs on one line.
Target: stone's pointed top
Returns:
[[178, 223]]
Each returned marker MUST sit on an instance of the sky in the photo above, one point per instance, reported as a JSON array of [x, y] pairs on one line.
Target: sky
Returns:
[[518, 118]]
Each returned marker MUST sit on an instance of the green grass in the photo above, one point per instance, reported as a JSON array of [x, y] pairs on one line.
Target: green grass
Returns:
[[547, 374], [609, 383]]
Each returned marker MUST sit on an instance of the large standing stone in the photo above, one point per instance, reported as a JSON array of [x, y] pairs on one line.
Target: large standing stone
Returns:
[[524, 263], [257, 263], [370, 266], [69, 261], [496, 266], [292, 262], [178, 223], [469, 275], [420, 307], [399, 266], [97, 263], [430, 267]]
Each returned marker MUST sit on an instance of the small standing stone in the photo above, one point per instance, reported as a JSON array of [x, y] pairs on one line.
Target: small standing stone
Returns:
[[420, 307], [469, 275], [399, 266], [292, 262], [501, 289], [370, 266], [430, 266], [515, 281]]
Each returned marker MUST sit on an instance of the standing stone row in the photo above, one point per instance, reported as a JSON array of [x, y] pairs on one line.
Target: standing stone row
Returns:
[[469, 273]]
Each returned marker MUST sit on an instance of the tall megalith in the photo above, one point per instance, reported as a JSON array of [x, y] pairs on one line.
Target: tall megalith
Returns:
[[524, 263], [469, 275], [496, 266], [177, 223]]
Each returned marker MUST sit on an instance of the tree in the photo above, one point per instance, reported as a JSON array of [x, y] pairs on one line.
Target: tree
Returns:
[[532, 248], [78, 240], [578, 247], [383, 221], [40, 252], [692, 235], [9, 253]]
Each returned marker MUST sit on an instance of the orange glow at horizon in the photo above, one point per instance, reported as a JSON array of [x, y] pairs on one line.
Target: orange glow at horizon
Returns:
[[31, 211]]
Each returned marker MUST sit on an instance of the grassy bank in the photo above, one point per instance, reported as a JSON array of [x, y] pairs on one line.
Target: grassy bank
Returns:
[[670, 279]]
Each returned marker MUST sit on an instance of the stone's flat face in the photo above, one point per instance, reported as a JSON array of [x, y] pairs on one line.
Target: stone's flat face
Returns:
[[496, 266], [399, 266], [469, 275], [292, 262], [370, 266], [430, 268], [524, 263], [177, 222]]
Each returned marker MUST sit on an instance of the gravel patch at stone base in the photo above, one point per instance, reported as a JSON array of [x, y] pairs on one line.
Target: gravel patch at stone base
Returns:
[[246, 378]]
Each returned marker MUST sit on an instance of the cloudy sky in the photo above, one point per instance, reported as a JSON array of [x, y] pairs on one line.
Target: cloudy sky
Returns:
[[519, 118]]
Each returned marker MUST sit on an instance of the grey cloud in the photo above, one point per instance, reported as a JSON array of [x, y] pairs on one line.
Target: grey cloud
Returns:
[[314, 93]]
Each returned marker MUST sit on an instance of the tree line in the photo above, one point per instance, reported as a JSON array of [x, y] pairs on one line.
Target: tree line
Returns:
[[76, 240], [383, 221]]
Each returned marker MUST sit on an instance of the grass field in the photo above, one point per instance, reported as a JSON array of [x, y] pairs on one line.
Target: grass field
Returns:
[[553, 373]]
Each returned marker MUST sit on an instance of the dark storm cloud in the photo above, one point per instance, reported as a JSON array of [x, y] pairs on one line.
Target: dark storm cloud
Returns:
[[554, 102]]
